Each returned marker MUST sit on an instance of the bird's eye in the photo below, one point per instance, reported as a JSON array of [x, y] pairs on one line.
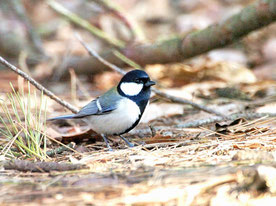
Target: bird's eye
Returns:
[[138, 81]]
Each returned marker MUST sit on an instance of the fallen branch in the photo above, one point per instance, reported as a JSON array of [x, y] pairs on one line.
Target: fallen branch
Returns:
[[24, 165], [39, 86], [162, 94], [231, 117], [177, 49]]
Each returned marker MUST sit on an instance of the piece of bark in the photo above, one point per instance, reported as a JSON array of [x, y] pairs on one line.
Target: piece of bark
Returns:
[[24, 165]]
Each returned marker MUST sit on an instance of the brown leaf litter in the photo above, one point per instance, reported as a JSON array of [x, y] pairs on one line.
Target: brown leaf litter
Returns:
[[210, 169]]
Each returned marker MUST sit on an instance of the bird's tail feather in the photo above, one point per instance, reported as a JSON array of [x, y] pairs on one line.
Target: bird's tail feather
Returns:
[[69, 116]]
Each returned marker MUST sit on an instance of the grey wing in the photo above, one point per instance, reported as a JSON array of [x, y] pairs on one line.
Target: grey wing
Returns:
[[103, 104]]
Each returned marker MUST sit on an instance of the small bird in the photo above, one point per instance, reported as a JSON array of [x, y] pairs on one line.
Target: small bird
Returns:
[[118, 110]]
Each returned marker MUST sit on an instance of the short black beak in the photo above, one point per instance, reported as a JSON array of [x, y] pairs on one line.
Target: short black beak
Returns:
[[149, 83]]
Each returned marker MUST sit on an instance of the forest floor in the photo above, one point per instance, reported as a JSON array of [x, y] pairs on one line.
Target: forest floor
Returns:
[[233, 163], [183, 156]]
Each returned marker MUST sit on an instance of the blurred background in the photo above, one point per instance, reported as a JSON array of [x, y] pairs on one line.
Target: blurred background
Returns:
[[39, 39]]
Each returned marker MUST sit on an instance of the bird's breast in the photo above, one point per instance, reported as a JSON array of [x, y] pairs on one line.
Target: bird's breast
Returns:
[[116, 121]]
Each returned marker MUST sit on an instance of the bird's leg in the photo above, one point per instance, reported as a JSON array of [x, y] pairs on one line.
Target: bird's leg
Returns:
[[106, 142], [126, 141]]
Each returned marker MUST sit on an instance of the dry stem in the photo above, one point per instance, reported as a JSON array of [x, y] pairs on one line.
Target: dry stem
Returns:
[[162, 94], [39, 86]]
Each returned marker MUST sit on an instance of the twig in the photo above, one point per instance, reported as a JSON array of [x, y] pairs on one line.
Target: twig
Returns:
[[95, 54], [85, 24], [126, 60], [185, 101], [39, 86], [231, 117], [60, 149], [167, 96], [118, 12], [24, 165]]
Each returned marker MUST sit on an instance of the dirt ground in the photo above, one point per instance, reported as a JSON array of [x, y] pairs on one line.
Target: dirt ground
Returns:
[[182, 155]]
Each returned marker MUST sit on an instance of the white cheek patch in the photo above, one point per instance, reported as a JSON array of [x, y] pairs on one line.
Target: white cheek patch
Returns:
[[131, 88]]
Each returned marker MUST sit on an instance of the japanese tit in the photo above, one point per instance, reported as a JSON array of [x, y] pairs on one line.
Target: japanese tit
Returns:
[[118, 110]]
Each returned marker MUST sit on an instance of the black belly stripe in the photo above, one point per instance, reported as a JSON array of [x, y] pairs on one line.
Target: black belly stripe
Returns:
[[141, 103], [134, 125]]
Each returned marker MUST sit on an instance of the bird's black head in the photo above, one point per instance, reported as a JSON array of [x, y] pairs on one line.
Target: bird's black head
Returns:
[[135, 83]]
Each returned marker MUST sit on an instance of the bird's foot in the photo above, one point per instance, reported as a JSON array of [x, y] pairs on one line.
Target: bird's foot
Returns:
[[127, 142], [106, 142]]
